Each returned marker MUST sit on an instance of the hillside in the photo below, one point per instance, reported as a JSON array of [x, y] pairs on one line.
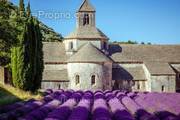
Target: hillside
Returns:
[[48, 33], [11, 26], [10, 95]]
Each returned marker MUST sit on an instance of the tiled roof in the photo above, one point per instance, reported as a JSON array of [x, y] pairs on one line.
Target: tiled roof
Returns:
[[89, 53], [55, 75], [128, 73], [142, 53], [87, 32], [54, 52], [86, 7], [159, 68], [155, 57]]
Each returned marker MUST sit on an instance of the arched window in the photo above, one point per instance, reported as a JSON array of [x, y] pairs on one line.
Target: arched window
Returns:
[[71, 45], [86, 19], [138, 86], [77, 79], [59, 86], [93, 79], [163, 88]]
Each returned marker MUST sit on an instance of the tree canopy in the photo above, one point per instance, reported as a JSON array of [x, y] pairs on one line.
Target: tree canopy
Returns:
[[11, 26], [27, 55]]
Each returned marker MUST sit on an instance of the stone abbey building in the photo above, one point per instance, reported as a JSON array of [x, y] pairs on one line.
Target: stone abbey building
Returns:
[[86, 60]]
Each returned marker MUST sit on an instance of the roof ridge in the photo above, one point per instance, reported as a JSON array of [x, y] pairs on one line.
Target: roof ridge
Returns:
[[144, 44], [87, 32], [89, 53], [86, 8]]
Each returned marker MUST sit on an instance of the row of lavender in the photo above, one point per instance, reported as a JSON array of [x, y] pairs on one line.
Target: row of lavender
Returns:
[[99, 105]]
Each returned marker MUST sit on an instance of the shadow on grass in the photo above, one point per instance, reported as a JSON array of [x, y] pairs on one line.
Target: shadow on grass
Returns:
[[7, 98]]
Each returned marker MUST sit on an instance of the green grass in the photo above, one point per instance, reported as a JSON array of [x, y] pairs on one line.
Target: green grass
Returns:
[[9, 95]]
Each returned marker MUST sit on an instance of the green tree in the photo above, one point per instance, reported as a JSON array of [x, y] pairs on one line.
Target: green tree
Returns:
[[27, 56], [28, 10], [131, 42], [21, 45], [7, 33], [18, 64], [142, 43], [21, 8], [149, 43], [38, 55]]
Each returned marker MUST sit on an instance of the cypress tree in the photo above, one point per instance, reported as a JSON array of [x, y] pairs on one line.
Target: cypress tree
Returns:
[[18, 51], [28, 10], [39, 56], [27, 56], [31, 53], [18, 64], [21, 8]]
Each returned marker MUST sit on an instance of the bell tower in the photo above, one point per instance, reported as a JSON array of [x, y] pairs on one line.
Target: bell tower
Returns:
[[85, 31], [86, 15]]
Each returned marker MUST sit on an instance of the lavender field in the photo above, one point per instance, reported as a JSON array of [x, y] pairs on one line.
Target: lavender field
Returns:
[[99, 105]]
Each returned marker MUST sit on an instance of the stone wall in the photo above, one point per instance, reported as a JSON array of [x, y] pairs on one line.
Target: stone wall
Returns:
[[178, 81], [176, 68], [139, 86], [54, 85], [2, 75], [163, 83], [148, 76], [67, 45], [85, 72], [107, 71]]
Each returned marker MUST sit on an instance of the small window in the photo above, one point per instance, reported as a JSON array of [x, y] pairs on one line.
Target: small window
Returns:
[[59, 86], [138, 85], [163, 88], [71, 45], [77, 79], [86, 19], [93, 79]]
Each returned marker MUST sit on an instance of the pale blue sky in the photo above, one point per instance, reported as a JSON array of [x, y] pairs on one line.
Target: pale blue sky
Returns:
[[155, 21]]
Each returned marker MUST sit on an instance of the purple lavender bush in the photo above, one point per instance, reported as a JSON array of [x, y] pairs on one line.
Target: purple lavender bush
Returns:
[[98, 105], [119, 111], [82, 111], [64, 110], [100, 110]]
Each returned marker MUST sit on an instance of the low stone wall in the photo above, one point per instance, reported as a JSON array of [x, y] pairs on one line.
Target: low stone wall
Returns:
[[163, 83], [139, 86], [54, 85], [2, 75]]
